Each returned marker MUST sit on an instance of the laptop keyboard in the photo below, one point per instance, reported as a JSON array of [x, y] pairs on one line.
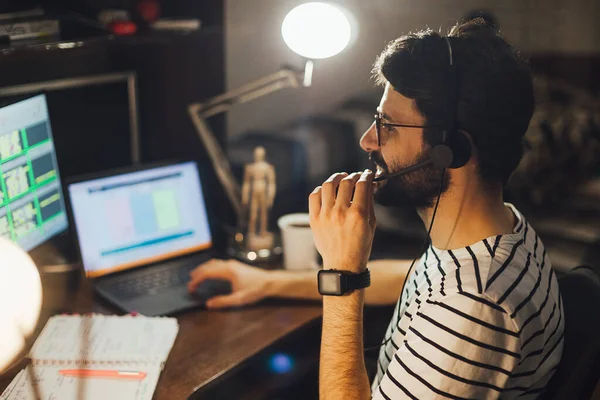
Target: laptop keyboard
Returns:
[[152, 281]]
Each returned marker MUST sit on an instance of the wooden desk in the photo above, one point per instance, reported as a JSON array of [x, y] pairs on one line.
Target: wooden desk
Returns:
[[209, 344]]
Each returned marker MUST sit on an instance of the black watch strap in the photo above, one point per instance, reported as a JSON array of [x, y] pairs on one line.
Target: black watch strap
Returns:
[[358, 281]]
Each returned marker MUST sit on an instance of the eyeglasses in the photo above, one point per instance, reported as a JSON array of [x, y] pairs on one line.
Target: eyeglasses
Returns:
[[379, 123]]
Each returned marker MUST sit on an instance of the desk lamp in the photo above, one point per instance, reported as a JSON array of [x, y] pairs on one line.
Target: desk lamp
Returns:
[[314, 31], [20, 301]]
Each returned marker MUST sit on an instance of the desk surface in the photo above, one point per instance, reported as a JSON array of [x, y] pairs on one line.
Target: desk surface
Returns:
[[209, 344]]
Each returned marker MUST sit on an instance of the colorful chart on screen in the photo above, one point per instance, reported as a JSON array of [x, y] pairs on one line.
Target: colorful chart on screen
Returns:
[[32, 208]]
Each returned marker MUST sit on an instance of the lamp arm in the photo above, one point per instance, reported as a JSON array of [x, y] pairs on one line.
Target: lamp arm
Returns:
[[281, 79], [219, 161], [284, 78]]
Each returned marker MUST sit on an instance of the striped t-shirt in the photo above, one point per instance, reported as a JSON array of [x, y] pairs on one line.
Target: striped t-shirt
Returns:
[[480, 322]]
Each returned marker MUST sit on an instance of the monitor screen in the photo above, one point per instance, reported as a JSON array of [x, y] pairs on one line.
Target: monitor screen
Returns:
[[137, 218], [32, 208]]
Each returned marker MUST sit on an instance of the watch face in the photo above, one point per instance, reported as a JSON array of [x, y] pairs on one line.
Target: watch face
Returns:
[[330, 283]]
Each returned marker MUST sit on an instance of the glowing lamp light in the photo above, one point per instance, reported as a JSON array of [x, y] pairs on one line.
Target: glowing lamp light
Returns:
[[313, 30], [281, 363], [20, 301], [316, 30]]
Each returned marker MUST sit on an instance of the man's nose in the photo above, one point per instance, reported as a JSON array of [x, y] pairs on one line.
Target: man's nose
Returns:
[[368, 141]]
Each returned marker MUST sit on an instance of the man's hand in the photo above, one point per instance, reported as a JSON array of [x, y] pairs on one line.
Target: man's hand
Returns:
[[249, 284], [344, 224]]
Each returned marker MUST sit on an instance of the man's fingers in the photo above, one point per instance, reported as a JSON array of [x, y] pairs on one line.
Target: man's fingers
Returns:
[[363, 191], [329, 189], [214, 269], [314, 202], [234, 299], [344, 196], [213, 265], [371, 209]]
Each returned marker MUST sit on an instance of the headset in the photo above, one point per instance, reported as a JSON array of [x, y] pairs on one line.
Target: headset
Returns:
[[452, 149]]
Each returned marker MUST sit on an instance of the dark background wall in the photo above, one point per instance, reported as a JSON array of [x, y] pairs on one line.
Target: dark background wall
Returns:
[[561, 37]]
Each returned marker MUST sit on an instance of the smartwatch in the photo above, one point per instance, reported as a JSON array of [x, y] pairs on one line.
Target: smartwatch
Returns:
[[333, 282]]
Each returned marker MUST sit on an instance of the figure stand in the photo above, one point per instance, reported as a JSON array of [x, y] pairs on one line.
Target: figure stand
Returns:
[[254, 242]]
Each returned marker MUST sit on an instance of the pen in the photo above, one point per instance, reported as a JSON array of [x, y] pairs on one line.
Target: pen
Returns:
[[103, 373]]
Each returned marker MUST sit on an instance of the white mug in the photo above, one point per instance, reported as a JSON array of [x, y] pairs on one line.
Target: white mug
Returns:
[[299, 251]]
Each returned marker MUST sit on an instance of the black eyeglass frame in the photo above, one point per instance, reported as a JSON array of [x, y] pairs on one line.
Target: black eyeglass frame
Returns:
[[379, 123]]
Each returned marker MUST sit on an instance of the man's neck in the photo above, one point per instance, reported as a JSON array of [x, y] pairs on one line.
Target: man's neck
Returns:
[[467, 216]]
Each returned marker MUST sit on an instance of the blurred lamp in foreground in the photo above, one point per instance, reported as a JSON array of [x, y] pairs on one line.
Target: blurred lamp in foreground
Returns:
[[20, 301], [314, 31]]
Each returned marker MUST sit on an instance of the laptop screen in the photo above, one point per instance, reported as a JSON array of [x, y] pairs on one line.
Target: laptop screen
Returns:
[[136, 218], [32, 208]]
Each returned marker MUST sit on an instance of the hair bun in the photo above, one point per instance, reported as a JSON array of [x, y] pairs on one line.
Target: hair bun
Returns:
[[474, 27]]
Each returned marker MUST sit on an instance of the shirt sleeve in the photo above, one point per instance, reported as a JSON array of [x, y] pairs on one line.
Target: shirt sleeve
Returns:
[[460, 346]]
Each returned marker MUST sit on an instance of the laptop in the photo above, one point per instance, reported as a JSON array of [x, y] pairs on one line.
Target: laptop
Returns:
[[140, 233]]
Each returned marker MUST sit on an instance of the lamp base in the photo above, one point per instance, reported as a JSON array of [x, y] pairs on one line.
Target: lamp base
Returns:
[[259, 242]]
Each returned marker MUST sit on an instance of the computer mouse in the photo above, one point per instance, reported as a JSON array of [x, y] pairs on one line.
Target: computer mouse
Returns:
[[210, 288]]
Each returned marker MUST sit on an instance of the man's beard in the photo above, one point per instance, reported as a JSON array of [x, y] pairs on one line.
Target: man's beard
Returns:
[[419, 188]]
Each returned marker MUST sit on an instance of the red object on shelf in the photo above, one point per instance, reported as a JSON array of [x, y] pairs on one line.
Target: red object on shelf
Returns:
[[123, 28], [149, 10]]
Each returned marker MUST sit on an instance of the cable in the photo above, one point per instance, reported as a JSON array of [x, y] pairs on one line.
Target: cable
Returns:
[[423, 248]]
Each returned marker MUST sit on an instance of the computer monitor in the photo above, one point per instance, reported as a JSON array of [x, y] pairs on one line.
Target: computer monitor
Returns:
[[126, 220], [32, 208], [95, 120]]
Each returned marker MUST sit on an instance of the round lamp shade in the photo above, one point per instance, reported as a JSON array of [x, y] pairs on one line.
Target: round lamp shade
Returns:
[[20, 300], [316, 30]]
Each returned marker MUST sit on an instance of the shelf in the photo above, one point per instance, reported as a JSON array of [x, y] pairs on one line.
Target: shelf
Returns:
[[145, 37]]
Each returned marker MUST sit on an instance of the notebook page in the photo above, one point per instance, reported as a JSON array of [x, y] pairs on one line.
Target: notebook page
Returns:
[[101, 338], [51, 385], [13, 384]]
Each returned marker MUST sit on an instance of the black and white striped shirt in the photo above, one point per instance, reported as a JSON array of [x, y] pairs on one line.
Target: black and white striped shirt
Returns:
[[485, 321]]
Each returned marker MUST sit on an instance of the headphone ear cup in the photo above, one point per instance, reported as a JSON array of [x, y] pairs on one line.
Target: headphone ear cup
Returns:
[[461, 149]]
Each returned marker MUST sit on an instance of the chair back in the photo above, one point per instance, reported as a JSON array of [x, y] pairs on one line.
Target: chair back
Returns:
[[579, 369]]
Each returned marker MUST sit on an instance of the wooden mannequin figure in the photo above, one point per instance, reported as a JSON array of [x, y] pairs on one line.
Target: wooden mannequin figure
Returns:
[[258, 193]]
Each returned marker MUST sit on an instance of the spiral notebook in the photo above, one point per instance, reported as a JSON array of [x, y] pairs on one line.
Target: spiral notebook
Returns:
[[72, 346]]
